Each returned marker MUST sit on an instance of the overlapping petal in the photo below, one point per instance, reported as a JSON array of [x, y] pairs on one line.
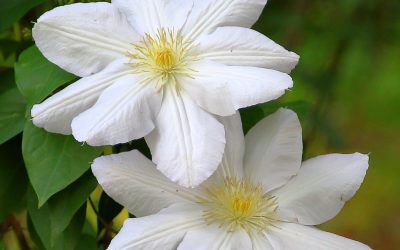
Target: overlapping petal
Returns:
[[295, 236], [207, 15], [124, 112], [214, 237], [163, 230], [274, 149], [188, 143], [148, 16], [83, 38], [321, 188], [55, 114], [245, 47], [222, 89], [133, 181]]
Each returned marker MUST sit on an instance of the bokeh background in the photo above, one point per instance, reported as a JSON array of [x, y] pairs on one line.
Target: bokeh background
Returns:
[[347, 94], [349, 77]]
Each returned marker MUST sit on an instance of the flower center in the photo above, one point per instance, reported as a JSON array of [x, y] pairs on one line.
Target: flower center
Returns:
[[239, 203], [163, 56]]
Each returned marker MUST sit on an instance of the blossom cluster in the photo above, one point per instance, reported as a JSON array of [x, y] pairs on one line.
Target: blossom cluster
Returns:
[[176, 72]]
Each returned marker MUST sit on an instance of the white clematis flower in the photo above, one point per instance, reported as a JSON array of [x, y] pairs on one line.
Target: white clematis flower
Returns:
[[261, 197], [160, 69]]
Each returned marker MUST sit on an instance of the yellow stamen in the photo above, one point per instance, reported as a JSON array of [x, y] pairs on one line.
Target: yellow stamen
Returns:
[[239, 203], [163, 56]]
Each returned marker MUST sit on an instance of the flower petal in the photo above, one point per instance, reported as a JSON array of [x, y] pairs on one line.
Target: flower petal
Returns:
[[294, 236], [321, 188], [83, 38], [214, 237], [222, 89], [55, 114], [133, 181], [151, 15], [188, 143], [260, 242], [164, 230], [124, 112], [207, 15], [245, 47], [274, 149], [232, 161]]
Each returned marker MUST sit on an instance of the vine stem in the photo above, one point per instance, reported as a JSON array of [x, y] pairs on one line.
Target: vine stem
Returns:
[[102, 221]]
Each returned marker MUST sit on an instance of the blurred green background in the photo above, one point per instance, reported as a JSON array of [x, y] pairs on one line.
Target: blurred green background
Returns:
[[349, 73], [347, 93]]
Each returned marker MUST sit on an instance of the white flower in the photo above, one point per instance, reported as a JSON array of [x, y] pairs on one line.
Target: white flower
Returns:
[[261, 197], [160, 69]]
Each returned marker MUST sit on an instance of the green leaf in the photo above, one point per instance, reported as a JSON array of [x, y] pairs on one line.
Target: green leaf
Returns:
[[53, 161], [60, 211], [66, 203], [7, 80], [13, 178], [12, 111], [69, 240], [36, 77], [87, 242], [11, 11]]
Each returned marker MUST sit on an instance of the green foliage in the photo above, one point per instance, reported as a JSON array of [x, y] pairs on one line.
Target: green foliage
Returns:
[[12, 112], [36, 77], [45, 224], [108, 209], [11, 11], [348, 78], [53, 161], [13, 178]]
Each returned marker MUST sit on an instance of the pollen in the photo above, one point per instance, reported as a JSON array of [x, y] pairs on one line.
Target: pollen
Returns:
[[238, 203], [163, 56]]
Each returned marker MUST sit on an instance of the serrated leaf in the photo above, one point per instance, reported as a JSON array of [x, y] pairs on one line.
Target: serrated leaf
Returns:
[[13, 178], [11, 11], [12, 112], [36, 77], [54, 161], [60, 211]]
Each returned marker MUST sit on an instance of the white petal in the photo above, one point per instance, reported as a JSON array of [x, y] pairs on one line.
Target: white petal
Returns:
[[260, 242], [148, 16], [207, 15], [213, 237], [245, 47], [188, 143], [298, 237], [133, 181], [55, 114], [321, 188], [164, 230], [232, 161], [124, 112], [83, 38], [224, 89], [274, 149]]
